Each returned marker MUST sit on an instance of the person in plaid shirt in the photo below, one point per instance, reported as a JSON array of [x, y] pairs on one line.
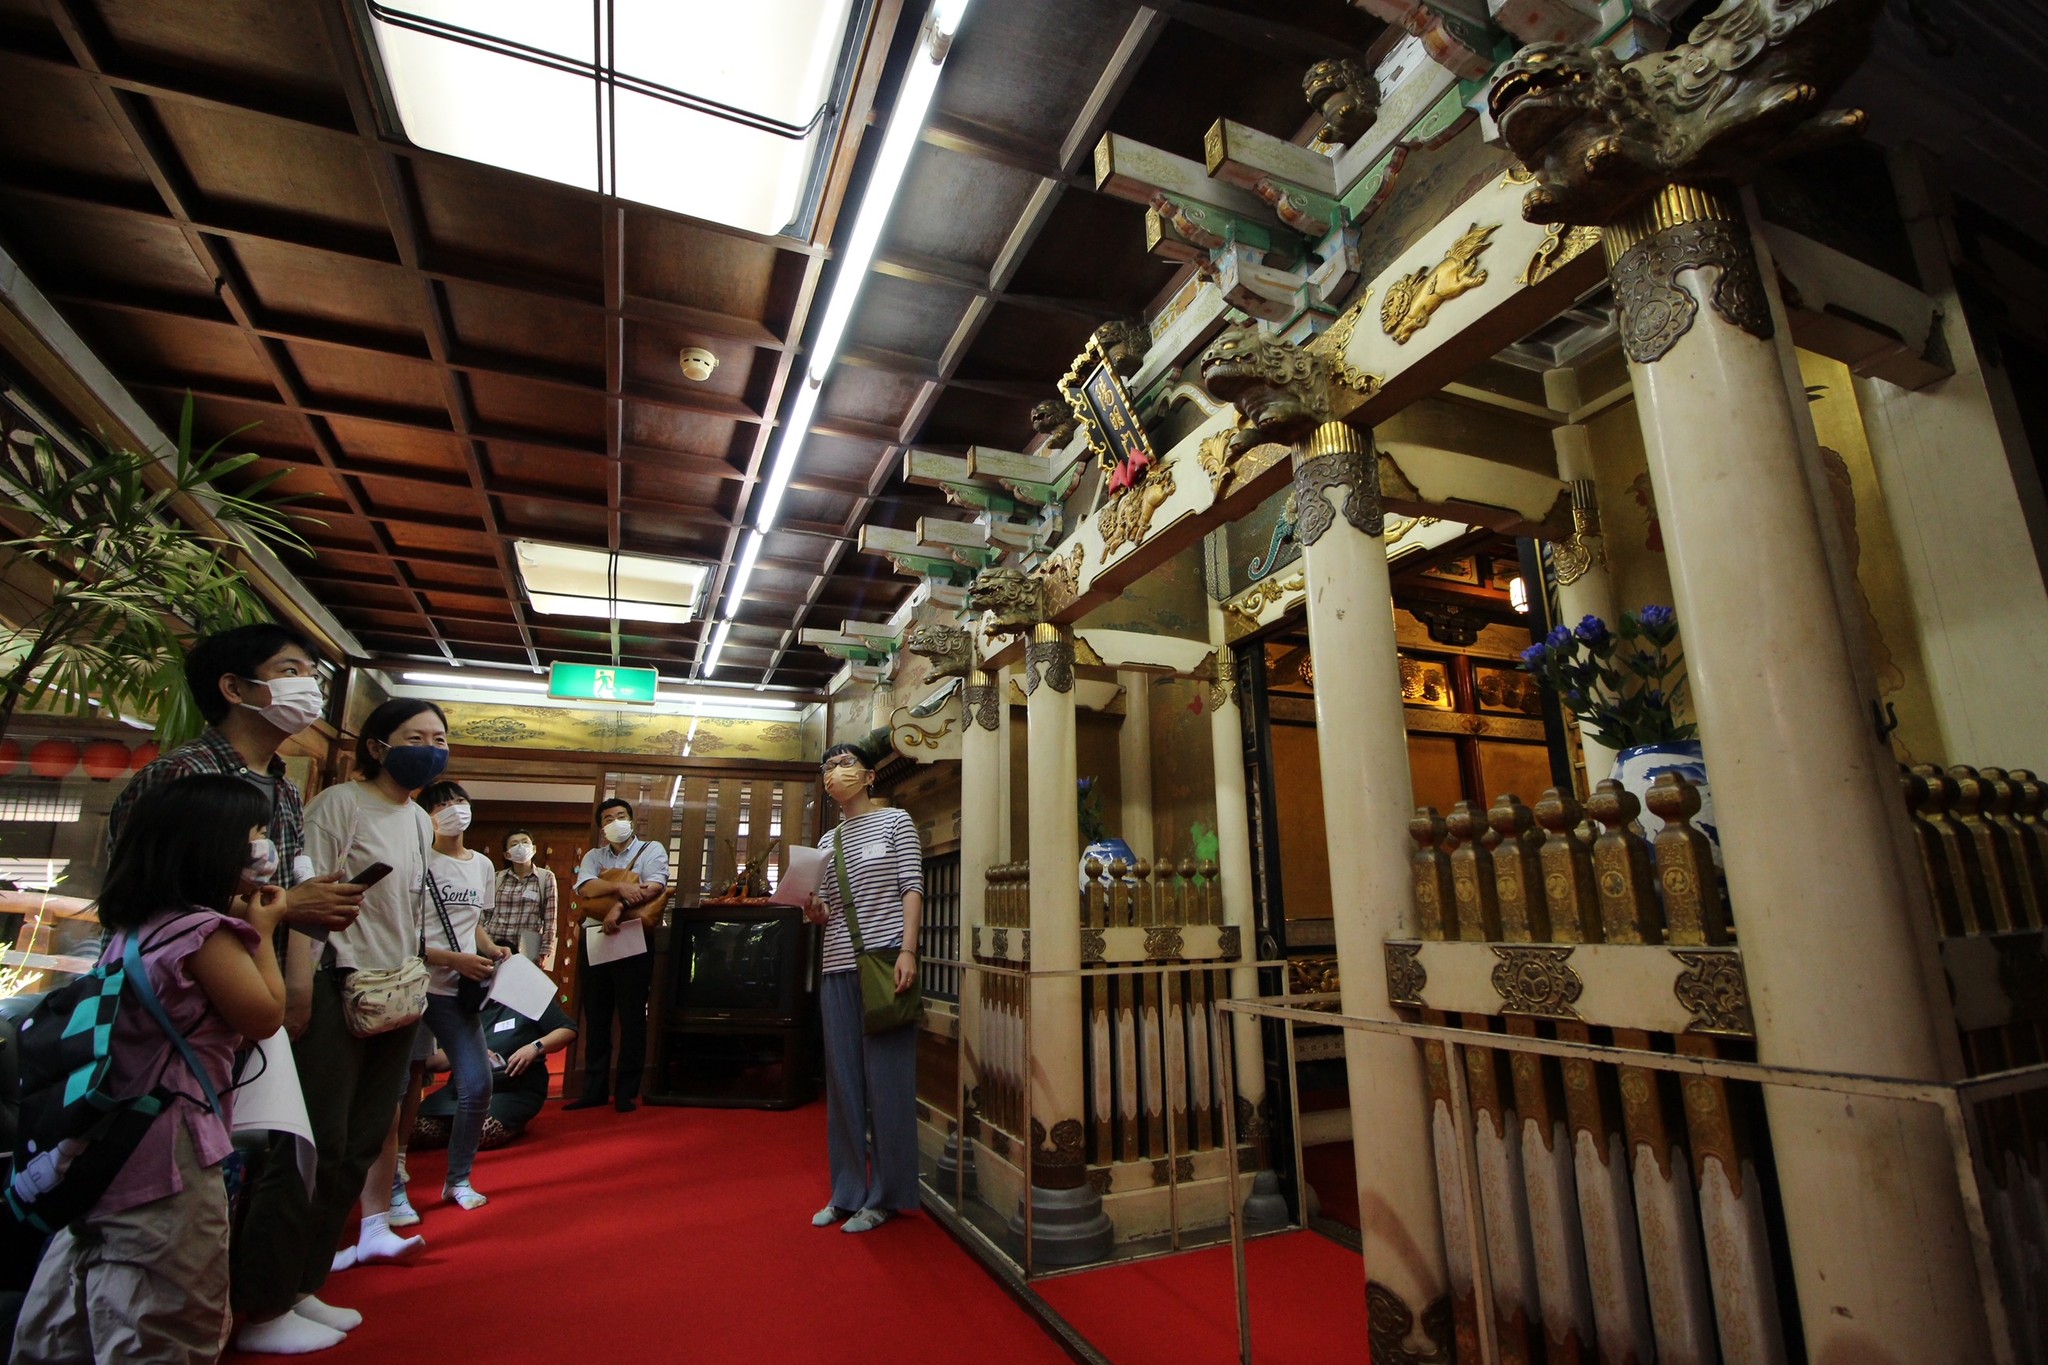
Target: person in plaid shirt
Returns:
[[526, 897], [257, 687]]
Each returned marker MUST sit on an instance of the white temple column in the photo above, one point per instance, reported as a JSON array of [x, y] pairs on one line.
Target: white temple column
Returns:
[[1134, 765], [981, 810], [1580, 564], [1832, 937], [1069, 1227], [1240, 912], [1367, 799]]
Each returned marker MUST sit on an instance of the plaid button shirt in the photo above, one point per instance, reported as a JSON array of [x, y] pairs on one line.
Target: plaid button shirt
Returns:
[[212, 753], [526, 902]]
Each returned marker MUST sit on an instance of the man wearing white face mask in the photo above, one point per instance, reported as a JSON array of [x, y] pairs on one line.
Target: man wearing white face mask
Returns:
[[622, 983], [257, 686], [525, 899]]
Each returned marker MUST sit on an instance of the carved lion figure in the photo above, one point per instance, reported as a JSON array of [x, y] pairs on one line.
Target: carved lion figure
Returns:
[[1123, 345], [1014, 602], [1412, 300], [1281, 391], [1346, 95], [1055, 419], [949, 648], [1602, 135]]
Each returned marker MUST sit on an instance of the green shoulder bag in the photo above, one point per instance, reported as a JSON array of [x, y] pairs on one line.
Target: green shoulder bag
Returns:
[[883, 1009]]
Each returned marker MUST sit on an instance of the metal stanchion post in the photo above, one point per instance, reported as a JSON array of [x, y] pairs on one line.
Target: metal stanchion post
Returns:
[[967, 998], [1172, 1148], [1025, 1137], [1244, 1306]]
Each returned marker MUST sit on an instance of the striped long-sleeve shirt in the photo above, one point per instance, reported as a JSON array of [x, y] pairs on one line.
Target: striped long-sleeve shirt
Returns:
[[884, 863]]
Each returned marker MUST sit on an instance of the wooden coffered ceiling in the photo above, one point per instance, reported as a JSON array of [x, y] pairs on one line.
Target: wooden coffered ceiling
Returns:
[[446, 357]]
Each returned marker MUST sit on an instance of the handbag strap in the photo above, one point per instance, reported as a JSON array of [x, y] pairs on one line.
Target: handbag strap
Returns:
[[847, 907], [441, 906]]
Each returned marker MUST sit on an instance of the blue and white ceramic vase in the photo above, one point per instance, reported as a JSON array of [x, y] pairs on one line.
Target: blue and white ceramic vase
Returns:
[[1106, 851], [1642, 765]]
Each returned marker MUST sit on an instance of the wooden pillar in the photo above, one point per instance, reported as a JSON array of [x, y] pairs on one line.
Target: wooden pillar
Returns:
[[1367, 796], [1832, 937]]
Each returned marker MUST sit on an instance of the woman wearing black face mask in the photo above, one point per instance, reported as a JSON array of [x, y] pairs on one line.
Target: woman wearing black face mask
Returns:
[[352, 1083]]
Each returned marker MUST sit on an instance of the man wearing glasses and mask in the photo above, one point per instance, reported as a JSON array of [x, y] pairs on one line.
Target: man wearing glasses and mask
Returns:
[[621, 984]]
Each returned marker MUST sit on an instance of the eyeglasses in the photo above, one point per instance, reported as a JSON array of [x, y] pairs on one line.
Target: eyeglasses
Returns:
[[842, 761]]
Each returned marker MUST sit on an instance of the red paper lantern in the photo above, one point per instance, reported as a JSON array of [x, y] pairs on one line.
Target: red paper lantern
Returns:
[[10, 757], [106, 759], [144, 755], [53, 758]]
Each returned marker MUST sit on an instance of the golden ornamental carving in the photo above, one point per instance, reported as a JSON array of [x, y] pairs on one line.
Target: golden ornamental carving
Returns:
[[1251, 604], [1126, 519], [1412, 300], [1061, 575], [983, 704], [1714, 990], [1093, 946], [1332, 344], [1406, 977], [1355, 472], [1584, 549], [1163, 941], [909, 736], [1391, 1330], [1601, 134], [1655, 308], [1535, 980], [1011, 602], [1281, 391], [1560, 246], [1222, 680], [1230, 941], [1053, 654], [1058, 1161], [949, 649]]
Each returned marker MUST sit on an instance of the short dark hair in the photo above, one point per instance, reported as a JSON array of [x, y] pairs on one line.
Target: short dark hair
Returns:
[[621, 802], [440, 794], [382, 722], [514, 833], [238, 652], [183, 844]]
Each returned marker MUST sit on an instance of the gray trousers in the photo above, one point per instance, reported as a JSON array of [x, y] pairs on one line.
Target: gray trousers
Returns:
[[147, 1284], [870, 1104]]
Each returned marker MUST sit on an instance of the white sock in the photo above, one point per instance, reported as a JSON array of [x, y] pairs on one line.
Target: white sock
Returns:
[[465, 1194], [287, 1334], [344, 1259], [327, 1315], [379, 1243]]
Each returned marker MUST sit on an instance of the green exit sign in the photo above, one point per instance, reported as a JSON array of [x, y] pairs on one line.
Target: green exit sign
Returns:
[[595, 682]]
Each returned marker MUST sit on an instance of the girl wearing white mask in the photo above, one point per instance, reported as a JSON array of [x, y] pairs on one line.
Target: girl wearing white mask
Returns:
[[462, 957], [526, 899]]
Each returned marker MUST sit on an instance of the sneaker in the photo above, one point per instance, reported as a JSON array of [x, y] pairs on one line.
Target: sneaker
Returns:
[[403, 1214], [867, 1220], [827, 1216]]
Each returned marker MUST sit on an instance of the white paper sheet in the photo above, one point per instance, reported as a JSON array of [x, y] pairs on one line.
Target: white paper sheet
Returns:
[[800, 880], [630, 941], [523, 987], [272, 1101]]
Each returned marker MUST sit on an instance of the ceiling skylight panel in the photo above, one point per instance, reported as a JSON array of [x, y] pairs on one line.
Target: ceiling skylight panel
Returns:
[[721, 109]]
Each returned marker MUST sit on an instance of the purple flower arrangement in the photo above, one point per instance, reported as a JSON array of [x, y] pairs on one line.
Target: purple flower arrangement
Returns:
[[1623, 684]]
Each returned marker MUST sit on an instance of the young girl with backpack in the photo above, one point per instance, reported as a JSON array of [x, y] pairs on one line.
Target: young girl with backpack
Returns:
[[144, 1274]]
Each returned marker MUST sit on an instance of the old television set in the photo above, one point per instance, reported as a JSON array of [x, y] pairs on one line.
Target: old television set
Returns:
[[740, 1027], [739, 964]]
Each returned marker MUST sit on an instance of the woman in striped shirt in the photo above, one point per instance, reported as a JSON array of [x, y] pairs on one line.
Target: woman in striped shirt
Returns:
[[870, 1080]]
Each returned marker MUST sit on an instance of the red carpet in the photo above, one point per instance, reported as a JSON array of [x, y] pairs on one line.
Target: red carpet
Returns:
[[670, 1235], [1307, 1295]]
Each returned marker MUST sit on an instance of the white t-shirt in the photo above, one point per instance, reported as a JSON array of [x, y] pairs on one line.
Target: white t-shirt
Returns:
[[466, 886], [351, 825]]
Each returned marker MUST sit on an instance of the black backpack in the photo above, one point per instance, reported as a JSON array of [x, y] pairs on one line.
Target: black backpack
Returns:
[[75, 1136]]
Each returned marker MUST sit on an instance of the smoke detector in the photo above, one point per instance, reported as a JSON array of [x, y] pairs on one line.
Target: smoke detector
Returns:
[[697, 363]]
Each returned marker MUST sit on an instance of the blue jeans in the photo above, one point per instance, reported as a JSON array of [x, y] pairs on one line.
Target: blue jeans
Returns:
[[461, 1035]]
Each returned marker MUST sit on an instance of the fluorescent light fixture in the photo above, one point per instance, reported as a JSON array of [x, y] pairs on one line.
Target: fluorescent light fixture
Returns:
[[906, 122], [720, 111], [750, 554], [717, 646], [475, 682], [563, 580]]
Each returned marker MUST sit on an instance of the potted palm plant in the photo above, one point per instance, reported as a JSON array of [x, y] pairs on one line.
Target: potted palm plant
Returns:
[[129, 580], [1626, 686]]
